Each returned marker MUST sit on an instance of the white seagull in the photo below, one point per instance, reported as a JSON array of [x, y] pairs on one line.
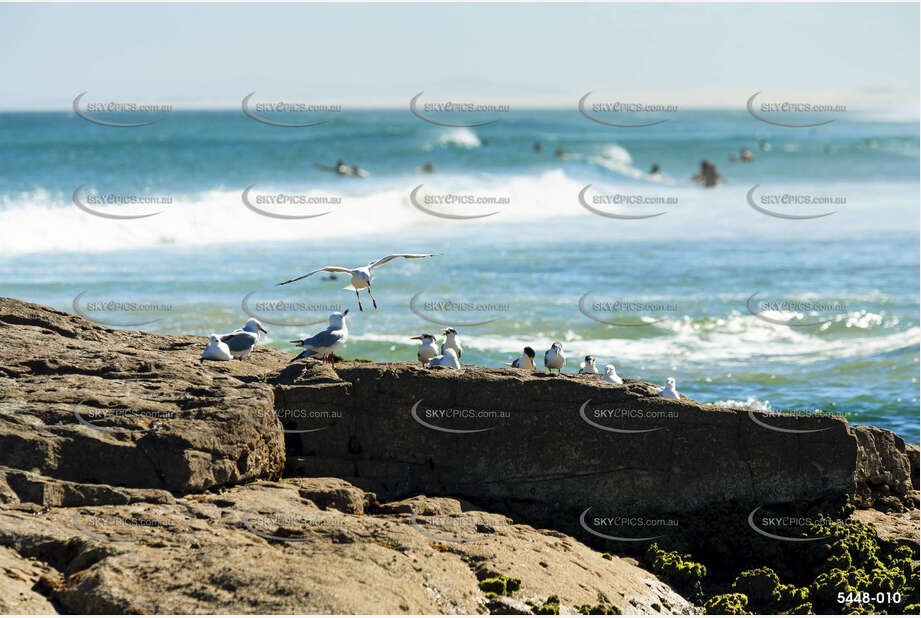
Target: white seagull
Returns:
[[554, 358], [668, 391], [361, 276], [216, 350], [451, 341], [447, 359], [427, 349], [610, 375], [242, 341], [589, 366], [525, 361], [325, 342]]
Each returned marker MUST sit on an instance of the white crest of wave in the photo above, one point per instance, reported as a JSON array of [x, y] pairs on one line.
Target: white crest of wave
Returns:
[[462, 137]]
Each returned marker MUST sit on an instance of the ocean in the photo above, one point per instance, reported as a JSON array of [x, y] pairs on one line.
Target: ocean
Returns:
[[716, 287]]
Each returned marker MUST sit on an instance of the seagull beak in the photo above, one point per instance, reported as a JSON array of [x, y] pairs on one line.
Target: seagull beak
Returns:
[[417, 337], [264, 330], [345, 313]]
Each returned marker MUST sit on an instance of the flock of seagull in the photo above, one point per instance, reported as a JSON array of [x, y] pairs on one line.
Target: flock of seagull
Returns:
[[323, 345]]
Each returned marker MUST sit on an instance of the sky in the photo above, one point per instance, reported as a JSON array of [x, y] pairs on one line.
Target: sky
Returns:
[[211, 55]]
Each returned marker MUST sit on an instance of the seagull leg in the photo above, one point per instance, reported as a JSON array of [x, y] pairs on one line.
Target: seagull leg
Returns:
[[372, 297], [359, 300]]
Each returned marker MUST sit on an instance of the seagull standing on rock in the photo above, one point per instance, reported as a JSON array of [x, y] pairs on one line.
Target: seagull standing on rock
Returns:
[[525, 361], [610, 375], [324, 343], [668, 391], [447, 359], [216, 350], [554, 358], [452, 342], [427, 349], [242, 341], [361, 275], [588, 367]]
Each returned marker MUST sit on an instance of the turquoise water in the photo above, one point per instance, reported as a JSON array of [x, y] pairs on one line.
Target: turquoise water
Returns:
[[687, 275]]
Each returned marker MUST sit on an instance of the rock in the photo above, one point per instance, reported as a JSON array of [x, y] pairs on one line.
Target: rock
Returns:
[[194, 556], [534, 445], [901, 527], [19, 577], [88, 404]]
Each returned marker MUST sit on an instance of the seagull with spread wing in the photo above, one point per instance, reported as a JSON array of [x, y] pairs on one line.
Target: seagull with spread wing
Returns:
[[361, 276]]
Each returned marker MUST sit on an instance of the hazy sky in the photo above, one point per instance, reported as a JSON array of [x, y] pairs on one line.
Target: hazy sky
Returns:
[[213, 54]]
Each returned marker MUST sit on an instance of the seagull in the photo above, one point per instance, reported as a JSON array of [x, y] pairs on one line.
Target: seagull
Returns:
[[525, 361], [361, 276], [451, 341], [553, 358], [216, 350], [324, 343], [589, 366], [427, 349], [610, 375], [668, 391], [242, 341], [447, 359]]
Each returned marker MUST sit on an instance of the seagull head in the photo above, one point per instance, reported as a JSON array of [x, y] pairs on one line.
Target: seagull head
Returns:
[[337, 320], [609, 370], [424, 337], [214, 338], [589, 360], [556, 345], [254, 326], [529, 352], [670, 383], [450, 331]]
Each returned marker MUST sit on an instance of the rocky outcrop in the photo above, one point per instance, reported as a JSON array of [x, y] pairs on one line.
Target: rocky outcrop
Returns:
[[269, 547], [84, 403], [536, 444], [135, 478]]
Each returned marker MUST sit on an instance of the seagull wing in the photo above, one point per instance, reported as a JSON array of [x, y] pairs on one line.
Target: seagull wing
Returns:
[[546, 357], [323, 339], [331, 269], [238, 341], [409, 256]]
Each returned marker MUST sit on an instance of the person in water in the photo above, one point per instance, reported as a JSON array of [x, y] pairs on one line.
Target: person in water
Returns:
[[427, 168], [538, 147], [655, 170], [560, 153], [707, 176], [747, 156]]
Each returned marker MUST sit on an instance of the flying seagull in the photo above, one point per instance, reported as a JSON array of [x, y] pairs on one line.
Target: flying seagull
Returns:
[[361, 276]]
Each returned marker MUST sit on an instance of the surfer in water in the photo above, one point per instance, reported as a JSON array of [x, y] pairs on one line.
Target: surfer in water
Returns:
[[707, 176]]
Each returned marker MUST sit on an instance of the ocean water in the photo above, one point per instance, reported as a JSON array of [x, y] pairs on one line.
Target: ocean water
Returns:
[[740, 307]]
